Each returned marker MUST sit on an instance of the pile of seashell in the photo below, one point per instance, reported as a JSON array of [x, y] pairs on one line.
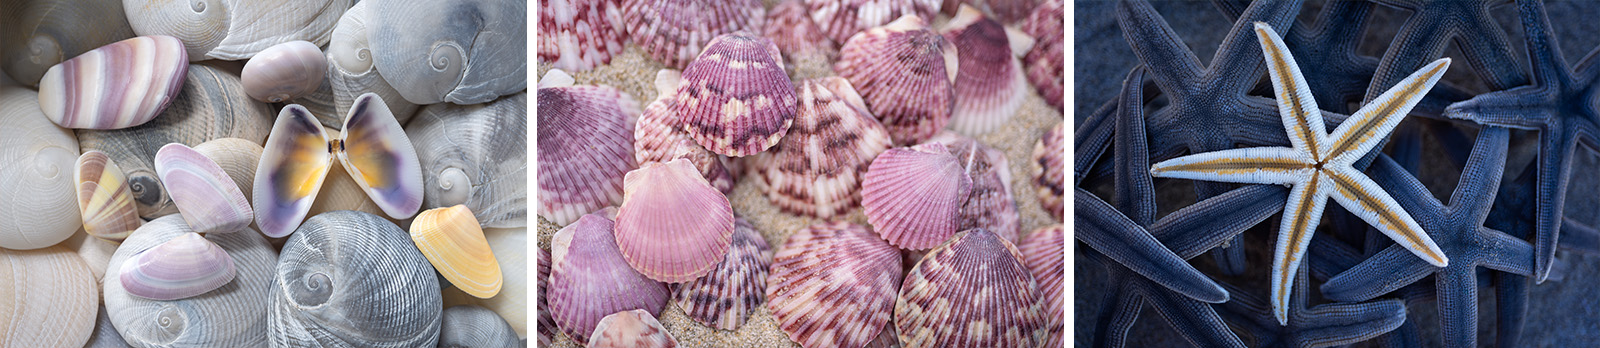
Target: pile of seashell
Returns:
[[171, 132], [642, 198]]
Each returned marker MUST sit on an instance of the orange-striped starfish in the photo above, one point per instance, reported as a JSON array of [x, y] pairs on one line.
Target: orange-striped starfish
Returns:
[[1319, 165]]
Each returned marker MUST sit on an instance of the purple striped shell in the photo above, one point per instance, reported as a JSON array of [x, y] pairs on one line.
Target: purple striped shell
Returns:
[[1043, 61], [631, 329], [577, 35], [1044, 252], [1008, 11], [990, 84], [589, 278], [735, 98], [1049, 170], [990, 206], [585, 147], [183, 267], [674, 31], [209, 200], [547, 325], [816, 169], [790, 27], [673, 226], [906, 74], [120, 85], [833, 285], [972, 291], [913, 196], [724, 298], [842, 18], [655, 139]]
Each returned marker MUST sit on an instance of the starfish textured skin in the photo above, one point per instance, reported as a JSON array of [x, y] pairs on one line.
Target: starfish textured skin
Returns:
[[1319, 165]]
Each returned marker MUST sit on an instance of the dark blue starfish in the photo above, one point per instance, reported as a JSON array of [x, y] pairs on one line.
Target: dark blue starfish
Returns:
[[1320, 326], [1433, 24]]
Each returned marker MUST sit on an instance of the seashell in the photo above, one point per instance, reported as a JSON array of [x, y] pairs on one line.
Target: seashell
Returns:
[[724, 298], [673, 32], [39, 34], [234, 29], [95, 252], [206, 196], [47, 298], [841, 19], [463, 52], [631, 329], [585, 148], [972, 291], [473, 326], [1043, 251], [210, 105], [351, 74], [735, 99], [237, 157], [105, 335], [833, 285], [816, 169], [284, 71], [39, 164], [328, 274], [990, 84], [1049, 170], [510, 251], [1008, 11], [590, 279], [577, 35], [103, 198], [655, 139], [913, 196], [466, 153], [906, 74], [1043, 61], [183, 267], [233, 315], [453, 242], [990, 205], [653, 230], [887, 338], [372, 148], [547, 325], [789, 26], [116, 86], [341, 192]]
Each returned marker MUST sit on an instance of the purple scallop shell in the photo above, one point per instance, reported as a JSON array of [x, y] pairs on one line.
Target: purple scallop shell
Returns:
[[990, 206], [655, 139], [913, 196], [208, 199], [673, 226], [1043, 61], [906, 74], [1044, 251], [790, 27], [674, 31], [724, 298], [120, 85], [842, 18], [1050, 169], [990, 84], [589, 278], [547, 325], [735, 99], [585, 147], [972, 291], [834, 285], [816, 169], [1008, 11], [631, 329], [577, 35], [183, 267]]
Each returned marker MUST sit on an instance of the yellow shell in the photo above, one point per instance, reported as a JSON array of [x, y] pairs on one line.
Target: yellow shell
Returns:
[[103, 198], [453, 241]]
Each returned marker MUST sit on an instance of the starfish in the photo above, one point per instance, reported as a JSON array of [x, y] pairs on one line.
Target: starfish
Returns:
[[1325, 325], [1319, 165]]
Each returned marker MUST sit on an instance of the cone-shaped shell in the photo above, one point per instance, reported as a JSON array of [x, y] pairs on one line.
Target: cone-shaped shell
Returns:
[[816, 169], [585, 147], [1043, 62], [116, 86], [735, 99], [353, 279], [906, 74], [39, 207], [631, 329], [234, 315], [473, 326], [789, 26], [655, 138], [103, 198], [469, 151], [453, 242], [1043, 252], [40, 34], [972, 291], [674, 31], [990, 84], [833, 285], [577, 35], [725, 297], [913, 196], [180, 268], [990, 205], [673, 226], [47, 298], [589, 278], [842, 18], [284, 71], [206, 196], [1049, 170], [463, 52]]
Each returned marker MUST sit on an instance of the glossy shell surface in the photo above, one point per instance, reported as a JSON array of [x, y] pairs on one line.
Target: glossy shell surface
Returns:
[[284, 71], [463, 52], [182, 267], [475, 155], [234, 315], [40, 208], [116, 86], [453, 242], [103, 198], [206, 196], [833, 284], [656, 138], [631, 329], [589, 278], [673, 226]]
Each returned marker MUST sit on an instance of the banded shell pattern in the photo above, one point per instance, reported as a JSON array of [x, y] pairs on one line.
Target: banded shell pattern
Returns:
[[841, 19], [237, 157], [735, 99], [453, 242], [116, 86], [585, 148], [655, 138], [330, 269], [1043, 61], [673, 32], [1043, 251], [990, 205], [510, 246], [589, 278], [183, 267], [816, 169], [103, 199], [206, 196], [913, 196], [906, 75], [577, 35], [475, 155], [833, 285], [38, 158], [284, 71], [789, 26], [234, 315], [52, 289], [1049, 170], [972, 291], [725, 297], [990, 84], [673, 226], [631, 329]]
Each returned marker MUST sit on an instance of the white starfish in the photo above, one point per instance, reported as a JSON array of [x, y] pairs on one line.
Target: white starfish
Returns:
[[1319, 165]]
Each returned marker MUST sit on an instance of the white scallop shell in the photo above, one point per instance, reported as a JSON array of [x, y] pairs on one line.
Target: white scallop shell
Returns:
[[40, 207]]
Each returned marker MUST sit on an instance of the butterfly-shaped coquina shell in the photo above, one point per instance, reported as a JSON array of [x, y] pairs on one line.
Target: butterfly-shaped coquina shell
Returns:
[[39, 206], [47, 298], [475, 155], [463, 52], [349, 278], [233, 315]]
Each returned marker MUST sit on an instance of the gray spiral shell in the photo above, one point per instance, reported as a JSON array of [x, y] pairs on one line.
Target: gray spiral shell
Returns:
[[475, 155], [473, 326], [230, 316], [463, 52]]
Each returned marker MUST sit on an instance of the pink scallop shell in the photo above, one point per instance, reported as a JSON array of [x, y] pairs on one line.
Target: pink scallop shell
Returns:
[[990, 206], [906, 74], [1044, 251], [842, 18], [735, 99], [585, 147], [673, 226], [631, 329], [913, 196], [789, 26], [972, 291], [1049, 170], [833, 285], [816, 169], [1043, 61], [655, 140], [1008, 11], [990, 84], [674, 31], [589, 278], [547, 325], [724, 298], [577, 35]]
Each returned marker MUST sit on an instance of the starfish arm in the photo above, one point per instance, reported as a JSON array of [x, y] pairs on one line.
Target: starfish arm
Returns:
[[1480, 179], [1365, 199], [1254, 165], [1135, 192], [1119, 238], [1158, 46], [1197, 322], [1373, 122], [1301, 214], [1383, 273], [1544, 54], [1236, 56], [1117, 319], [1298, 109], [1505, 253], [1092, 138], [1511, 307], [1555, 166], [1347, 323], [1458, 306], [1525, 107], [1486, 48], [1207, 224], [1579, 236], [1408, 191]]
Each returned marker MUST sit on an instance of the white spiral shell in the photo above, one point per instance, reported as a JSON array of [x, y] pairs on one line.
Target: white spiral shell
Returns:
[[38, 195], [232, 315], [475, 155], [46, 298]]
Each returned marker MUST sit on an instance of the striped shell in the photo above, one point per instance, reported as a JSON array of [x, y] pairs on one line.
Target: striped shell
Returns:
[[735, 99], [237, 157], [284, 71], [589, 278], [39, 207], [183, 267], [990, 84], [47, 298], [103, 199], [577, 35], [547, 324], [1043, 62], [724, 298], [473, 326], [656, 140], [913, 196], [510, 246], [673, 226], [789, 26], [234, 315], [1049, 170], [453, 242], [833, 285], [585, 148], [116, 86], [906, 74], [674, 31], [631, 329], [990, 206], [1044, 252], [468, 150], [462, 51], [353, 279], [972, 291], [206, 196], [842, 18], [40, 34], [815, 170]]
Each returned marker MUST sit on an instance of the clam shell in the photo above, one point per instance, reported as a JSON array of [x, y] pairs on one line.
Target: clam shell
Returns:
[[673, 226], [341, 192], [38, 158], [1049, 170], [1043, 61], [182, 267], [47, 298], [789, 26], [510, 251], [206, 196], [328, 274], [913, 196], [631, 329], [233, 315], [293, 166], [815, 170], [906, 74], [842, 18], [833, 285], [1044, 251], [40, 34], [473, 326], [673, 32], [210, 105], [577, 35], [375, 151], [990, 84], [473, 155], [234, 29], [972, 291], [656, 140], [463, 52], [120, 85], [735, 99], [237, 157], [284, 71], [724, 298], [589, 278], [103, 198], [351, 74], [585, 148], [990, 205], [453, 242]]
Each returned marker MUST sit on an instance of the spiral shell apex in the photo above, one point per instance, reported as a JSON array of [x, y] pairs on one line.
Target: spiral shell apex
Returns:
[[585, 146], [103, 198], [724, 298], [182, 267], [589, 278], [467, 151], [913, 196], [906, 74], [1049, 170], [674, 31], [233, 315], [833, 285], [36, 177], [453, 242], [462, 52], [972, 291], [990, 206], [736, 99], [284, 71], [120, 85], [816, 169], [843, 18], [1042, 251], [990, 84], [631, 329], [673, 226], [577, 35]]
